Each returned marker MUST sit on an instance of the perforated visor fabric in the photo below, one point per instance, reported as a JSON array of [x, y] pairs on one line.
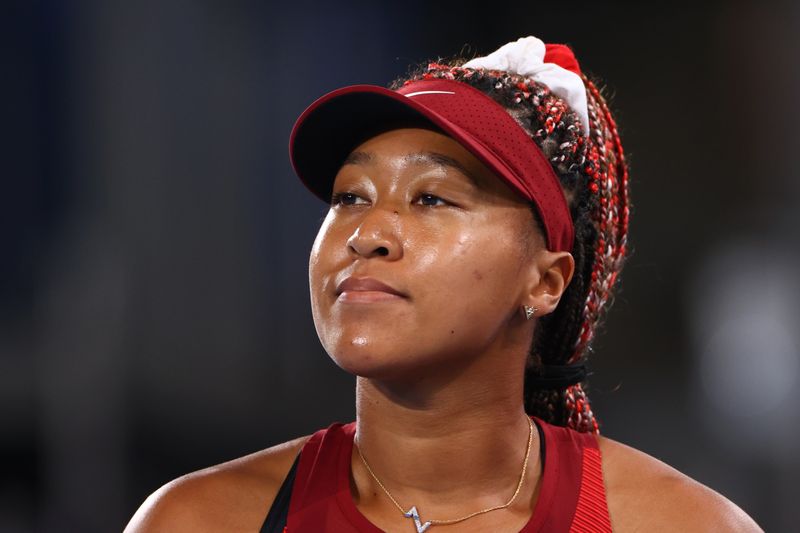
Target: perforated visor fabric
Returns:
[[336, 123]]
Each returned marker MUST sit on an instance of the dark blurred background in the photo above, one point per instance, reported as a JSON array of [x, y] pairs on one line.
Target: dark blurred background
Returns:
[[154, 313]]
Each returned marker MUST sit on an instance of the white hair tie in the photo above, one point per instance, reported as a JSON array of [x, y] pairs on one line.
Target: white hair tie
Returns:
[[526, 57]]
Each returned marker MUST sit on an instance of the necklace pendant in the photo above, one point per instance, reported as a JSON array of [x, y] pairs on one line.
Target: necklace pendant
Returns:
[[412, 513]]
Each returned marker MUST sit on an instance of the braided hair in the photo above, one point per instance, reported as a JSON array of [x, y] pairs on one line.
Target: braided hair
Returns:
[[594, 178]]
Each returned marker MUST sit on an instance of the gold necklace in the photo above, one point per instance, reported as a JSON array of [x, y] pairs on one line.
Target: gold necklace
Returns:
[[414, 514]]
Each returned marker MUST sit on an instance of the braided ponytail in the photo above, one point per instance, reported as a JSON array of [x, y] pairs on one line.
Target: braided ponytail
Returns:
[[609, 180], [594, 177]]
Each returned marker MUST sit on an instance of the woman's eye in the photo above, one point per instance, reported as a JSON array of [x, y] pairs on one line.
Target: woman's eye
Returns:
[[346, 198], [431, 200]]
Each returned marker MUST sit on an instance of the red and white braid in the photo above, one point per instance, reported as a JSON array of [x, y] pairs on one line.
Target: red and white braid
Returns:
[[608, 175]]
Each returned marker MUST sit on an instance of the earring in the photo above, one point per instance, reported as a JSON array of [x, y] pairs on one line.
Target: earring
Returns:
[[529, 311]]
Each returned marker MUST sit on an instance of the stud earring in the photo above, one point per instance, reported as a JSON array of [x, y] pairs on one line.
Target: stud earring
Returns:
[[529, 311]]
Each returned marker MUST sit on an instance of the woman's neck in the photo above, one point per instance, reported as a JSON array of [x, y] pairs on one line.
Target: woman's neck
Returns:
[[451, 442]]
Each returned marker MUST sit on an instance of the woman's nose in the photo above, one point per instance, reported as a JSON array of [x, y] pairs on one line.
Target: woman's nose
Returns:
[[377, 236]]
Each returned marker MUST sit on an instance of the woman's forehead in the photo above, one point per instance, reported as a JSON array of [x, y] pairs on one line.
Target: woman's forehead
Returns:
[[408, 147], [422, 158], [410, 140]]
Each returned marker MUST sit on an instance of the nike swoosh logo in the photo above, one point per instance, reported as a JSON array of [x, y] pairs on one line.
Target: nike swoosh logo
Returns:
[[429, 92]]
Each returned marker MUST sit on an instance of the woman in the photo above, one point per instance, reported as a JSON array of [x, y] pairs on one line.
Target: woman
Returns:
[[478, 224]]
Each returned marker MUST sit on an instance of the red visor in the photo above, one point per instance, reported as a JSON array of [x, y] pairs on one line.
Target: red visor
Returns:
[[336, 123]]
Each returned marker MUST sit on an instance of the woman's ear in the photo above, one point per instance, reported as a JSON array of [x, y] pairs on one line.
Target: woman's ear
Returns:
[[550, 275]]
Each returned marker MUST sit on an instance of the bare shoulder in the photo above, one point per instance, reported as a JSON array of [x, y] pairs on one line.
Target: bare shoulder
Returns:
[[645, 494], [232, 496]]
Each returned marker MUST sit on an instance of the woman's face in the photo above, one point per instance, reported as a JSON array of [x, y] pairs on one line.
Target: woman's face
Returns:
[[416, 212]]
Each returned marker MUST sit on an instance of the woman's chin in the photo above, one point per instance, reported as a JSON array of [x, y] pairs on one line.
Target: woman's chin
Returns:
[[373, 364]]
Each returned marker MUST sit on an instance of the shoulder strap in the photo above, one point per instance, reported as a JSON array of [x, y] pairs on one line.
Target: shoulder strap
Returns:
[[572, 497], [276, 518], [316, 472], [591, 512]]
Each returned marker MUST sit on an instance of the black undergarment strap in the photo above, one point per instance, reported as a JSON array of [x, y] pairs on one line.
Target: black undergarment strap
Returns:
[[556, 376], [279, 512]]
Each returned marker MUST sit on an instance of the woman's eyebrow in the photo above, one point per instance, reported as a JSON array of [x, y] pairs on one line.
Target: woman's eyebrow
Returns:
[[441, 160], [357, 158], [431, 158]]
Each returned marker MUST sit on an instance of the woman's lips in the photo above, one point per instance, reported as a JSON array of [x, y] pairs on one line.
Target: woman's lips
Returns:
[[366, 290]]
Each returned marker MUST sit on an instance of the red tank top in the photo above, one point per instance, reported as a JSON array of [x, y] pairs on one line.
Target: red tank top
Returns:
[[572, 496]]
